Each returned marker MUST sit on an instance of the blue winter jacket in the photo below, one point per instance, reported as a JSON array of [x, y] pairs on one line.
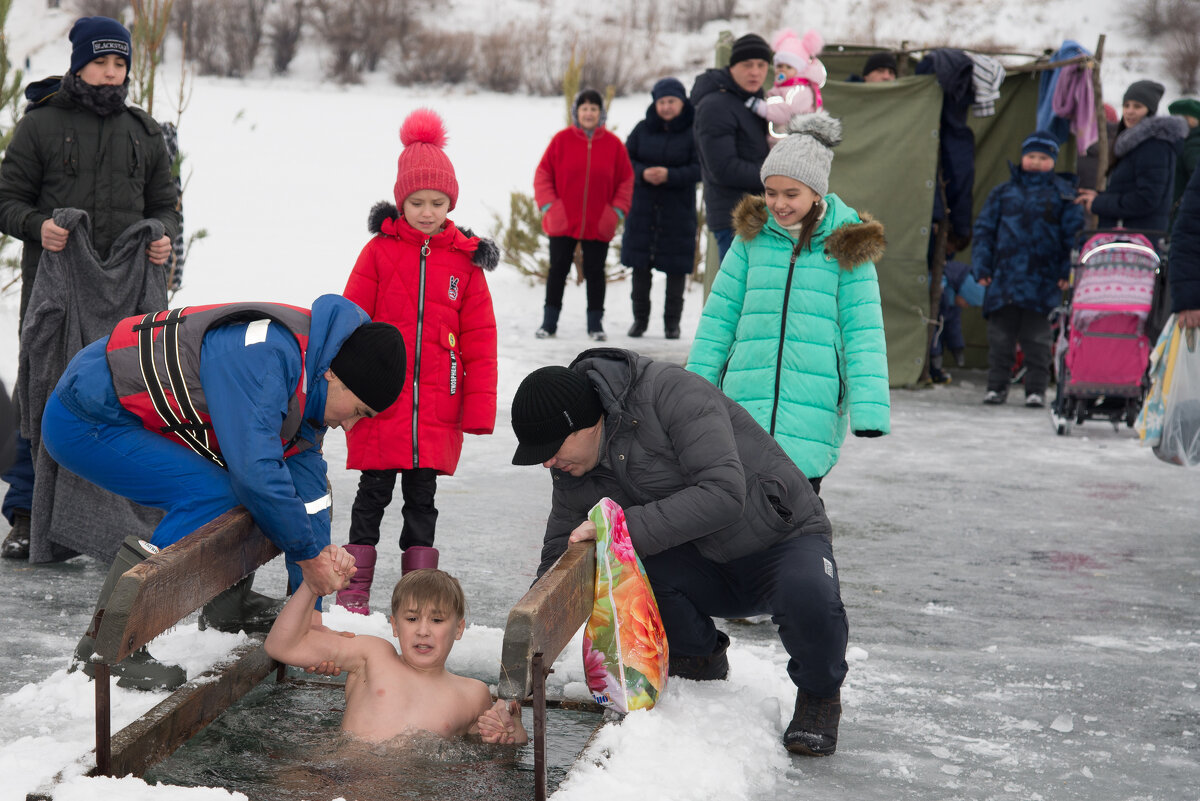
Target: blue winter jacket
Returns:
[[799, 342], [247, 388], [1184, 272], [1141, 187], [660, 230], [1023, 239]]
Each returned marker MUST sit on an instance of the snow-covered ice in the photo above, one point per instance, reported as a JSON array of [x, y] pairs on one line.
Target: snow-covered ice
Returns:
[[1023, 607]]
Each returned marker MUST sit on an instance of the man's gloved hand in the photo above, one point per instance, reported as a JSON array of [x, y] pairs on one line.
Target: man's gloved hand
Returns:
[[868, 434]]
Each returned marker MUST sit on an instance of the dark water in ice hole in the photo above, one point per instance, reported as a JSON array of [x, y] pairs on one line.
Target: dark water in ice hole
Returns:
[[282, 742]]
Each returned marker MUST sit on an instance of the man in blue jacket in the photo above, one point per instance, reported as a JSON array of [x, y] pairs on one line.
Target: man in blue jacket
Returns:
[[229, 409]]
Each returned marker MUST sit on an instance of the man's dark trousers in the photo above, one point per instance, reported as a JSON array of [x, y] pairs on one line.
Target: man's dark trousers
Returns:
[[795, 582]]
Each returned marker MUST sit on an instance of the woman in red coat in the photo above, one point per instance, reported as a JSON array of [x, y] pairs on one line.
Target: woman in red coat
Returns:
[[426, 277], [583, 186]]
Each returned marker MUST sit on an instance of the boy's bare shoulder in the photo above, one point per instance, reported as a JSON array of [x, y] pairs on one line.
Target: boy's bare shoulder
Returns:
[[473, 689], [371, 646]]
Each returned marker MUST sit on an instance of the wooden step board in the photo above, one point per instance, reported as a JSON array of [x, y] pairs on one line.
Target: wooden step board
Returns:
[[155, 595], [541, 624], [547, 617], [150, 598], [157, 734]]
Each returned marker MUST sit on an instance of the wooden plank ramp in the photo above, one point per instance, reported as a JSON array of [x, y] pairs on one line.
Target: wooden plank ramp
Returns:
[[539, 626], [155, 595], [150, 598]]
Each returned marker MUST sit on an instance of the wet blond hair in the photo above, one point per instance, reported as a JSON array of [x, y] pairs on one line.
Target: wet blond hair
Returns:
[[429, 588]]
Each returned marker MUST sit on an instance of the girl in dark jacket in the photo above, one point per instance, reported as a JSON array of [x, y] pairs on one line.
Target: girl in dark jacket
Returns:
[[1142, 174], [582, 186], [661, 230]]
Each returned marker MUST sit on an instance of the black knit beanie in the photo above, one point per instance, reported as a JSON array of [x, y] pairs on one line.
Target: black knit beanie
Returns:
[[881, 61], [92, 37], [550, 405], [371, 364], [750, 46], [1148, 93]]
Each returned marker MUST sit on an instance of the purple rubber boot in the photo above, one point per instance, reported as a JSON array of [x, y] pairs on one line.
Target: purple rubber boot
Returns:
[[357, 597], [418, 557]]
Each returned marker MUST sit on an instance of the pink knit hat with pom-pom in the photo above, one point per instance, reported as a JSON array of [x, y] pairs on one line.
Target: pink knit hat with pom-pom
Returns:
[[423, 163], [795, 51]]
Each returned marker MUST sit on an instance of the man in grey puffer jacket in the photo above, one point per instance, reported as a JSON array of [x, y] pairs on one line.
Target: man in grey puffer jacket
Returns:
[[725, 524]]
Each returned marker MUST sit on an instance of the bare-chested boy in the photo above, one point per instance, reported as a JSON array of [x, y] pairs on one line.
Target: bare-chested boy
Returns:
[[390, 693]]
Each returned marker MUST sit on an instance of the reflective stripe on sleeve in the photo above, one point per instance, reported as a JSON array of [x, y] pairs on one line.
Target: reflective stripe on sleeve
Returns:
[[320, 504]]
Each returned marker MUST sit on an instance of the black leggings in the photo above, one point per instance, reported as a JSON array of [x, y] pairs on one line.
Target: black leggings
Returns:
[[562, 254], [375, 488]]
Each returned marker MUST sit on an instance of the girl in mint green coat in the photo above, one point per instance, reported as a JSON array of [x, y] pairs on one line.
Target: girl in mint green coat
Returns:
[[793, 328]]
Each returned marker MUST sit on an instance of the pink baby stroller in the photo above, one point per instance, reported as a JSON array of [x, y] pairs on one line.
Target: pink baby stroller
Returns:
[[1103, 347]]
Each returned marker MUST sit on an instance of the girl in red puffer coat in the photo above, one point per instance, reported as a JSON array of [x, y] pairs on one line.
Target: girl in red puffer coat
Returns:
[[425, 276]]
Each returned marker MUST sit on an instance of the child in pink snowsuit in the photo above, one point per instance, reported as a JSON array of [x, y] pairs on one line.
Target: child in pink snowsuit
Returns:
[[798, 81]]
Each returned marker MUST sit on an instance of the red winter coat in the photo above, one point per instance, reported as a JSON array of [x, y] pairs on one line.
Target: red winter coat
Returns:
[[442, 306], [583, 178]]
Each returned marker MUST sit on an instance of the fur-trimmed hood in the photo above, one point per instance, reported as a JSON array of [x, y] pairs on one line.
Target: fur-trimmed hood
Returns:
[[1169, 129], [851, 244], [485, 254]]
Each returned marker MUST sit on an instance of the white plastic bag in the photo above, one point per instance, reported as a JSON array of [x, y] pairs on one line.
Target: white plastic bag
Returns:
[[1180, 443]]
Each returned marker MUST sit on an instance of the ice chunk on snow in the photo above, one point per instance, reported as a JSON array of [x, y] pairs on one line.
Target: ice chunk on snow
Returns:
[[1063, 723]]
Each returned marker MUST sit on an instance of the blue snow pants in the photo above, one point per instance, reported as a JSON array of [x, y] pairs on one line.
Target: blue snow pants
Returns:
[[795, 582], [131, 461], [19, 477]]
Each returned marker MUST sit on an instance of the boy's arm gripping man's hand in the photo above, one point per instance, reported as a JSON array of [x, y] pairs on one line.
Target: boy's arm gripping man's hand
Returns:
[[502, 724], [293, 639]]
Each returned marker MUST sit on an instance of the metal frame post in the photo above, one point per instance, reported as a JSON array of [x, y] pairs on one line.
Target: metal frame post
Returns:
[[540, 672], [103, 720]]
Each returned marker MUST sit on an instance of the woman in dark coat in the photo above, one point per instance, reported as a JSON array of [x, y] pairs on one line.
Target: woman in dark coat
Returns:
[[1141, 176], [661, 230], [1185, 257]]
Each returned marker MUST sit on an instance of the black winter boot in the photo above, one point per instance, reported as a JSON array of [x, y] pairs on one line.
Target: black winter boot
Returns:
[[549, 322], [673, 307], [595, 324], [139, 671], [16, 544], [814, 727], [640, 297], [713, 667], [241, 609]]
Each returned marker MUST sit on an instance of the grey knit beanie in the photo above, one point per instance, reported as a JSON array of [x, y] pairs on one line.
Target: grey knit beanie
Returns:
[[806, 154], [1148, 93]]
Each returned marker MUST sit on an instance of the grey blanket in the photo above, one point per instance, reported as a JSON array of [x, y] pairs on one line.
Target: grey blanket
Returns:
[[77, 299]]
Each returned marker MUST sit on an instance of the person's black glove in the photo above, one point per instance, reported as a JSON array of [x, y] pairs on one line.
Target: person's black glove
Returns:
[[868, 434]]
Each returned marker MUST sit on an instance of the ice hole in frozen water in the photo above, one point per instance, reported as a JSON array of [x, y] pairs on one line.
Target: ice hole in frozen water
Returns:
[[282, 742]]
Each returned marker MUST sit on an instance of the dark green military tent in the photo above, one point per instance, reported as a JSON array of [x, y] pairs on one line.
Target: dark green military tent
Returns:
[[887, 166]]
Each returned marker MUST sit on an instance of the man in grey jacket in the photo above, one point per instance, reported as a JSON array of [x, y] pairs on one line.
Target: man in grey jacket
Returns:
[[725, 524]]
